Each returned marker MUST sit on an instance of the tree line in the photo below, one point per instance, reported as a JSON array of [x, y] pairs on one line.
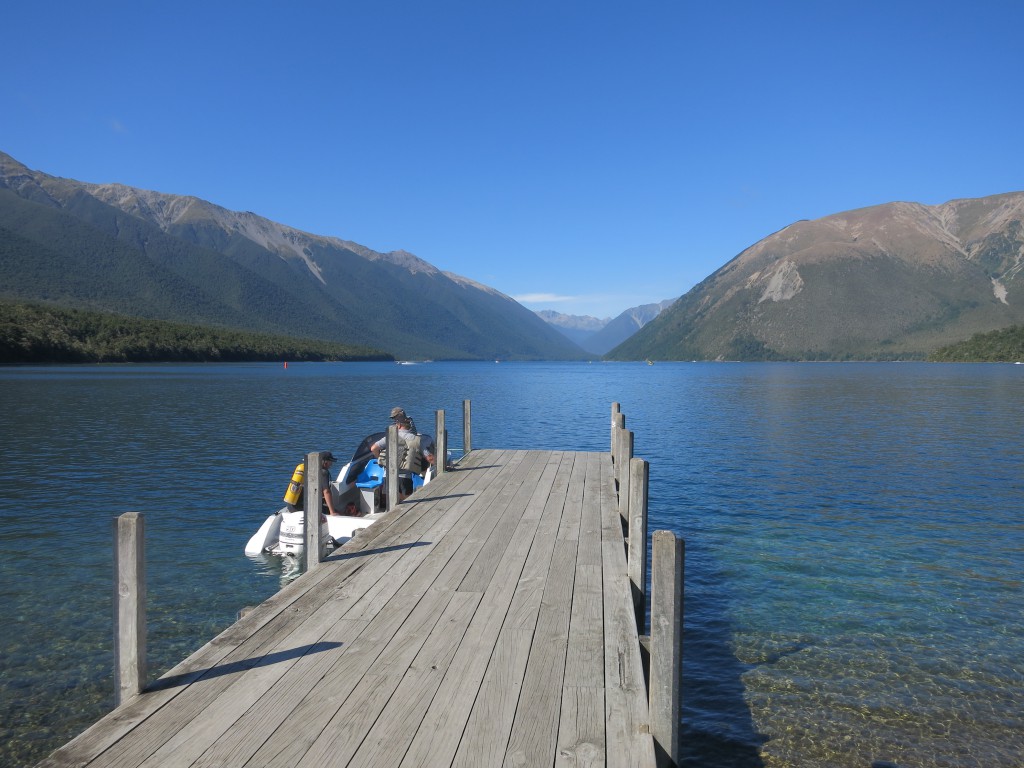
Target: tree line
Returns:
[[1002, 346], [40, 333]]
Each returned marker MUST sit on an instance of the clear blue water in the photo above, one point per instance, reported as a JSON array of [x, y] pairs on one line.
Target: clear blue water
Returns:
[[854, 532]]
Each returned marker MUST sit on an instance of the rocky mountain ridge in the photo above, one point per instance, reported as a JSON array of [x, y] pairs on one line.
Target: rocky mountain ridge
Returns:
[[893, 281]]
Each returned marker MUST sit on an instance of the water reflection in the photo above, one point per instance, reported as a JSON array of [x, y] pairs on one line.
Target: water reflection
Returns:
[[284, 567]]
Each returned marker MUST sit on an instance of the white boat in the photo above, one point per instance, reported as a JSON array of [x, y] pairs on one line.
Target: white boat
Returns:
[[360, 482]]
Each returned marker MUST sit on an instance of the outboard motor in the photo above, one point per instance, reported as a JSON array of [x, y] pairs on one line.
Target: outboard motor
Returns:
[[292, 539]]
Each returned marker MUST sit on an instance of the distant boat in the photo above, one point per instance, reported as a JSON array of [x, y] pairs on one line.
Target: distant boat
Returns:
[[649, 362]]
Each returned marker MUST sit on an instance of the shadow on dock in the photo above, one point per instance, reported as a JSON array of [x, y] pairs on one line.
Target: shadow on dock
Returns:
[[241, 666], [365, 552]]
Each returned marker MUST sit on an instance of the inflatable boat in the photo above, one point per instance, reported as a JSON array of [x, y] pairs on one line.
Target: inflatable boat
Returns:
[[359, 489]]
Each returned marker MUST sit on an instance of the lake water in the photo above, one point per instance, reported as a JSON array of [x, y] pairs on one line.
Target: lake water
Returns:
[[854, 532]]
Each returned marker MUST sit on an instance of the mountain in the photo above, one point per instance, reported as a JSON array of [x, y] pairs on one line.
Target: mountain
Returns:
[[114, 248], [600, 336], [624, 326], [577, 328], [893, 281]]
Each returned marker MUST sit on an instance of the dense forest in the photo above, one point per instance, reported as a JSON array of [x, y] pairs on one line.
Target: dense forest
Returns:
[[38, 333], [1003, 346]]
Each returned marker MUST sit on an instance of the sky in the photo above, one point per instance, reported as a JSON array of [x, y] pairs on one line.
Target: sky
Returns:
[[584, 157]]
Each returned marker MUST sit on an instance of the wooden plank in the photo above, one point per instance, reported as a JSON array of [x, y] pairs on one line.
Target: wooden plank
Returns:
[[437, 739], [535, 729], [581, 738], [303, 725], [490, 722], [342, 735], [250, 731], [571, 515], [499, 537], [388, 740], [581, 728]]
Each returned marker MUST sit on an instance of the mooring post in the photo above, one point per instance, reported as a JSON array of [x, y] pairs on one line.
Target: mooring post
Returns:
[[636, 561], [129, 606], [440, 444], [620, 426], [314, 493], [391, 470], [467, 428], [626, 456], [666, 644], [616, 409]]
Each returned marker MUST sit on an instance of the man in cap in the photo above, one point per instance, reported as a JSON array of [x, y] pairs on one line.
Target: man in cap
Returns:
[[326, 460], [417, 451]]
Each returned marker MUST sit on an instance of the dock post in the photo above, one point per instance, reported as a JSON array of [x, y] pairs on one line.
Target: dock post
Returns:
[[636, 560], [467, 428], [666, 644], [129, 606], [620, 425], [314, 493], [616, 409], [625, 457], [440, 444], [391, 470]]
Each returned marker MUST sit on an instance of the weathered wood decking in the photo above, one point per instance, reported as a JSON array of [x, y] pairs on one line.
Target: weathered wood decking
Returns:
[[487, 622]]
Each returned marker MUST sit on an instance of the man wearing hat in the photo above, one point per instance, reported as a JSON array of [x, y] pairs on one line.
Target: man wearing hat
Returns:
[[417, 451], [326, 460]]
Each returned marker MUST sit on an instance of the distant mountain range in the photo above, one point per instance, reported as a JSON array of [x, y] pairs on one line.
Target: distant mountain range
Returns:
[[893, 281], [146, 254], [601, 336]]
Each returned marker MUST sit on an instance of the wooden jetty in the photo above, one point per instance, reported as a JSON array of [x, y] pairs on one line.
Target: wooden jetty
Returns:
[[488, 621]]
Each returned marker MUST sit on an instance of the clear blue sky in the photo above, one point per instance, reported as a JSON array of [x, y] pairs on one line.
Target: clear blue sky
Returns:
[[601, 154]]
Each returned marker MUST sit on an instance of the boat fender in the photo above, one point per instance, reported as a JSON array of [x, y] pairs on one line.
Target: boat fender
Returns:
[[296, 484]]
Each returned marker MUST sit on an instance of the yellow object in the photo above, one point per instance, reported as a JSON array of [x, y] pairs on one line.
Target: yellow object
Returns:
[[295, 486]]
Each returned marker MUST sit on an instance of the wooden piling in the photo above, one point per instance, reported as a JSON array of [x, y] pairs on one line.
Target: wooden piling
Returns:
[[639, 473], [129, 606], [666, 644], [620, 424], [467, 428], [616, 410], [313, 550], [625, 457], [440, 443], [391, 470]]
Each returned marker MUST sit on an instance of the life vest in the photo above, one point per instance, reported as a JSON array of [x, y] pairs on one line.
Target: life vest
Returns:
[[412, 461]]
